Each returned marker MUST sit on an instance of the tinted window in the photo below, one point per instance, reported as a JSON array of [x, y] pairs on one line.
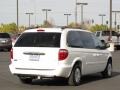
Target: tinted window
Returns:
[[4, 35], [39, 40], [81, 39], [74, 40], [107, 33], [87, 40], [98, 43]]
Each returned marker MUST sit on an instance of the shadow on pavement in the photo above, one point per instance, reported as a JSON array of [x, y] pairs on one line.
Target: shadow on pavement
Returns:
[[63, 82], [51, 82], [96, 77]]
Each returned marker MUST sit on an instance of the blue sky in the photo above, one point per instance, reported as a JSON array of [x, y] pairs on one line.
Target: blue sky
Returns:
[[58, 7]]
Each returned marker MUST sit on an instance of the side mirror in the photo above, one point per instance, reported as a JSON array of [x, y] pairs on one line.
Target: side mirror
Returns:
[[103, 42], [105, 45]]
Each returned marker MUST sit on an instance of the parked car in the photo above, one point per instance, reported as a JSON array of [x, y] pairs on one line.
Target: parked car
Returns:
[[14, 38], [5, 41], [105, 35], [54, 52]]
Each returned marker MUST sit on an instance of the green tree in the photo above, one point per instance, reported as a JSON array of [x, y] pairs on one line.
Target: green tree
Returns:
[[98, 28], [74, 25], [47, 24], [9, 28]]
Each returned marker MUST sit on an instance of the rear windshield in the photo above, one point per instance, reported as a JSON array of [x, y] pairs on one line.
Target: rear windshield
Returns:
[[107, 33], [4, 35], [41, 39]]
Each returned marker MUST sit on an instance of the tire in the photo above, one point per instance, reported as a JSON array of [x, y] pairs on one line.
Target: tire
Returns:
[[25, 80], [108, 70], [75, 76]]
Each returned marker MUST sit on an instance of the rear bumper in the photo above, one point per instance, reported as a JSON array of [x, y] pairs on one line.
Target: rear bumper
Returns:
[[63, 71]]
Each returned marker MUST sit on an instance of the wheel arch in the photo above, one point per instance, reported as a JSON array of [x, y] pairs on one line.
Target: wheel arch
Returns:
[[109, 60], [107, 72], [76, 62]]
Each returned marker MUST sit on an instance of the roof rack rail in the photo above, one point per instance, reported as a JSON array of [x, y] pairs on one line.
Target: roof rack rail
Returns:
[[63, 27]]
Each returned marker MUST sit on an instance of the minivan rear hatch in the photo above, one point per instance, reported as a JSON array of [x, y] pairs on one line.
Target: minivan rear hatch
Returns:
[[37, 50]]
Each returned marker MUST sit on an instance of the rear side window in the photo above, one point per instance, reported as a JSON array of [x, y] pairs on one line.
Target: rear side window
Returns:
[[4, 35], [80, 39], [40, 39], [74, 39]]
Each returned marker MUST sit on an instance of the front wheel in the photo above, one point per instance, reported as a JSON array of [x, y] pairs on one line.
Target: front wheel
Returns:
[[108, 70], [75, 76]]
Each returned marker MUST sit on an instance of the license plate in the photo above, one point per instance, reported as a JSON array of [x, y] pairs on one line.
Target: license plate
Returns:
[[34, 57]]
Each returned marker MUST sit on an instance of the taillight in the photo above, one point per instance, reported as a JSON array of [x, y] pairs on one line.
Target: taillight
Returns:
[[40, 30], [63, 54], [11, 54]]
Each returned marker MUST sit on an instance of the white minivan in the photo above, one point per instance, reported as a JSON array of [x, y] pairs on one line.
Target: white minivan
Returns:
[[55, 52]]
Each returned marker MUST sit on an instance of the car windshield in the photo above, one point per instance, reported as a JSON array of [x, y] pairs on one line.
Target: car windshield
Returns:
[[4, 35], [41, 39], [107, 33]]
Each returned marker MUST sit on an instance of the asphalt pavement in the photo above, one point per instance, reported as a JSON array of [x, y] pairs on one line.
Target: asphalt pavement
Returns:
[[90, 82]]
